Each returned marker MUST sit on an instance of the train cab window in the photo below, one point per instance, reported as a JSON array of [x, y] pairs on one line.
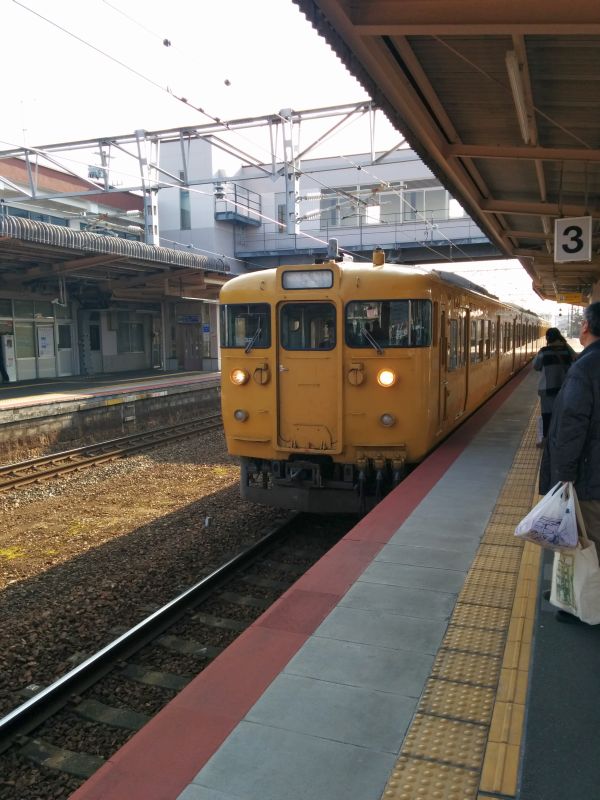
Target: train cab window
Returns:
[[388, 323], [307, 326], [246, 325]]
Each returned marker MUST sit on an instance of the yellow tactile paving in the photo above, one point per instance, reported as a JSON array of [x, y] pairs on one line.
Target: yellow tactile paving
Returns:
[[434, 737], [480, 616], [464, 742], [473, 640], [452, 665], [415, 778], [458, 701]]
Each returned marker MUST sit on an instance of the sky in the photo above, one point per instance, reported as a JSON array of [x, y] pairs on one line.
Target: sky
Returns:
[[94, 68]]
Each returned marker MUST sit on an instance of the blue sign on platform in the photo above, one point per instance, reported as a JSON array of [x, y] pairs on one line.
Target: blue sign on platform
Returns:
[[206, 328]]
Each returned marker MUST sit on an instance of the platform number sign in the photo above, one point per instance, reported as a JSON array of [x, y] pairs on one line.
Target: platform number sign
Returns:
[[572, 239]]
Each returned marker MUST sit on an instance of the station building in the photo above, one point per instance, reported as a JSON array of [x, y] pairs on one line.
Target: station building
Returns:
[[82, 293]]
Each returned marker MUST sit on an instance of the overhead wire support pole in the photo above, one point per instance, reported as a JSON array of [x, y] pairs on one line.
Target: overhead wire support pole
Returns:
[[292, 183], [149, 187]]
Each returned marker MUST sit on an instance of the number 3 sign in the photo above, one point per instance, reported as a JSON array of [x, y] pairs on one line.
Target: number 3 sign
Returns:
[[572, 239]]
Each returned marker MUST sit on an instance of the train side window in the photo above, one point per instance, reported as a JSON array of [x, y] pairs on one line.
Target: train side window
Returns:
[[308, 326], [246, 324], [453, 359], [482, 350], [474, 348]]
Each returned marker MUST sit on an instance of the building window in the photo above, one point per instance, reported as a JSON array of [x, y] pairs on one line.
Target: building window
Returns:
[[43, 308], [130, 335], [64, 337], [24, 341], [330, 212], [95, 338], [280, 214], [185, 214], [420, 204], [24, 308]]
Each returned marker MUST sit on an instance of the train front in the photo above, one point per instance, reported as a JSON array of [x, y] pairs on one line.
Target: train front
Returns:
[[280, 368], [312, 432]]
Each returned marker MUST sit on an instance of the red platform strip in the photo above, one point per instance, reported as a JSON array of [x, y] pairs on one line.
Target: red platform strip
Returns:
[[163, 758]]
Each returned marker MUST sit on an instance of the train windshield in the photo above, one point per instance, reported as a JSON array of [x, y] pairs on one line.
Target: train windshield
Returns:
[[308, 326], [246, 325], [389, 323]]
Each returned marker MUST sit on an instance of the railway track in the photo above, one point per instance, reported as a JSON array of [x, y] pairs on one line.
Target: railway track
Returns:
[[70, 728], [35, 470]]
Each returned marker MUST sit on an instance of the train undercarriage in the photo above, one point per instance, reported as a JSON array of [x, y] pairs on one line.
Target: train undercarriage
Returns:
[[320, 485]]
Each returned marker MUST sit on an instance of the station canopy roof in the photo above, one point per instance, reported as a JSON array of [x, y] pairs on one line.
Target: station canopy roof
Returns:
[[37, 256], [502, 101]]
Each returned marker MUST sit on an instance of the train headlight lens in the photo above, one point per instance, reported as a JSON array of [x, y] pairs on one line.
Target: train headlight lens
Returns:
[[239, 377], [386, 377], [387, 420], [240, 415]]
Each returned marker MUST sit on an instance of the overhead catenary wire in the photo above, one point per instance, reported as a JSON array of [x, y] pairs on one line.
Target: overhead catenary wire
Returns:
[[185, 101]]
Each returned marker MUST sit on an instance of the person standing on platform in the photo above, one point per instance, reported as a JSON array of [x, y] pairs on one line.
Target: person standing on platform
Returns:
[[572, 448], [552, 361]]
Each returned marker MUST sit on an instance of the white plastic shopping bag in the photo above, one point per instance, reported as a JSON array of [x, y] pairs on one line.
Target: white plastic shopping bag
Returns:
[[552, 523], [576, 578]]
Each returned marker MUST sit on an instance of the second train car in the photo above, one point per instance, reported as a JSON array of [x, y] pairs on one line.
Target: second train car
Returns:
[[338, 377]]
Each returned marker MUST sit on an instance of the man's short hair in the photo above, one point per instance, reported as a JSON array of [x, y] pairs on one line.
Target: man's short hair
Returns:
[[591, 314]]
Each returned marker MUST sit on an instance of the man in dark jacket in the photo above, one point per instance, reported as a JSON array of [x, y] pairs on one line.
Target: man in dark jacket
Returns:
[[572, 451], [552, 361]]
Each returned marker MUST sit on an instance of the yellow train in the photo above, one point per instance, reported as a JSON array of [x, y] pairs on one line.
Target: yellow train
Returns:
[[338, 376]]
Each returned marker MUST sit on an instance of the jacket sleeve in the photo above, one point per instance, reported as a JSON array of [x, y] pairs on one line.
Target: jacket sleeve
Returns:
[[538, 361], [572, 426]]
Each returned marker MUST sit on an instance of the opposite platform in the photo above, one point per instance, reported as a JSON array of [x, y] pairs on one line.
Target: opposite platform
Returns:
[[64, 412], [378, 670]]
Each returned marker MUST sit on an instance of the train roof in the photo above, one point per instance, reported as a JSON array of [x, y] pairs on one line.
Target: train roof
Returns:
[[267, 278]]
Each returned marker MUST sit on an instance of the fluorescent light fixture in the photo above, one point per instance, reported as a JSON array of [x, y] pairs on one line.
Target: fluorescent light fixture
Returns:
[[518, 93]]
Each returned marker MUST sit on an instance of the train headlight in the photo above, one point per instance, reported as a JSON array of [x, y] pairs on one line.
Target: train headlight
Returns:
[[240, 415], [239, 377], [386, 377], [387, 420]]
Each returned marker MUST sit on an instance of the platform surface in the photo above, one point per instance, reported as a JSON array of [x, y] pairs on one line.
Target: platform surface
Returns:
[[79, 390], [415, 660]]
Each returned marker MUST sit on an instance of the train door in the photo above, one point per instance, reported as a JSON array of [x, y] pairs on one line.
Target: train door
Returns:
[[456, 375], [309, 369]]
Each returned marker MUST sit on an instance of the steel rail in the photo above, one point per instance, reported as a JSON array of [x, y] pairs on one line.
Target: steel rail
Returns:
[[44, 467], [32, 713]]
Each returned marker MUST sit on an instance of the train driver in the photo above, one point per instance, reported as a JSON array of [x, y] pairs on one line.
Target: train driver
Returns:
[[328, 340]]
